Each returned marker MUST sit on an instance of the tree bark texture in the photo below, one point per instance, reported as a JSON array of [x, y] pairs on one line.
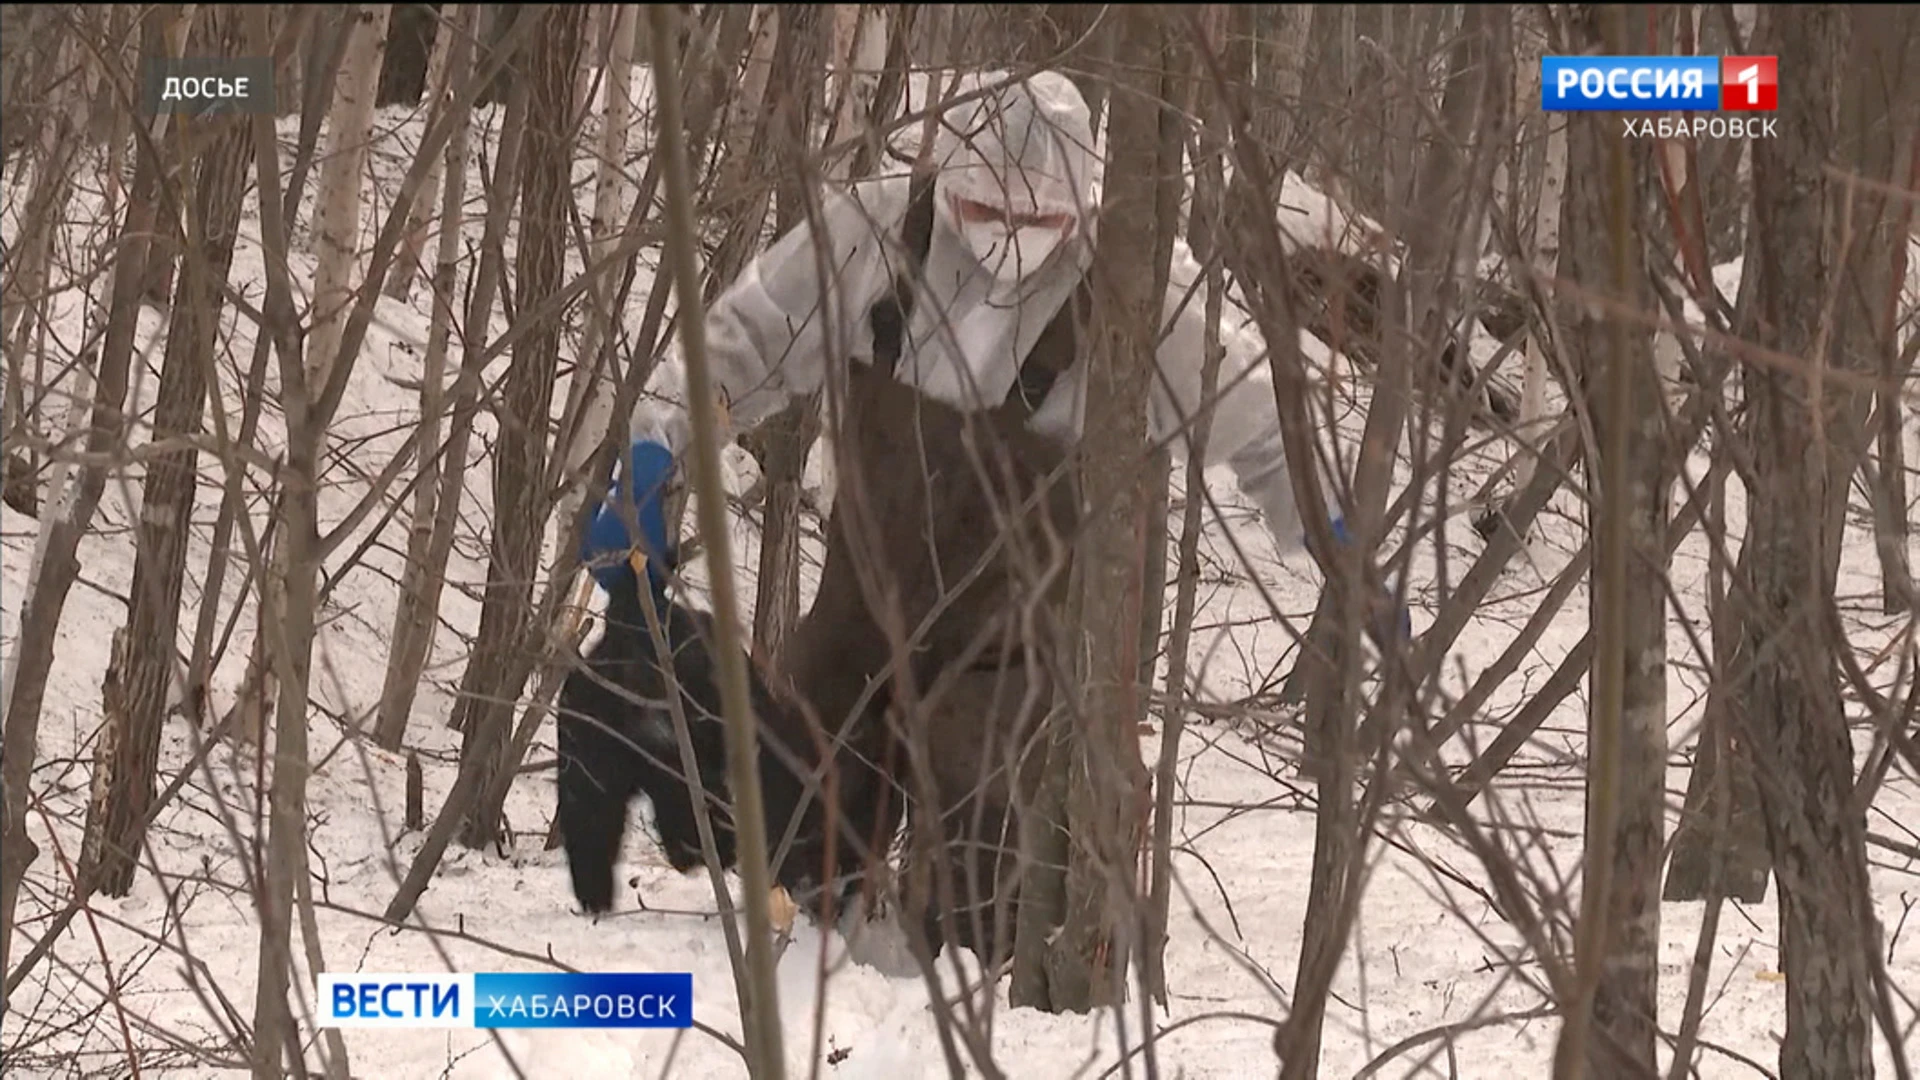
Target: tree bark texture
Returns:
[[1607, 197], [136, 692], [418, 607], [781, 444], [1106, 781], [336, 230], [1880, 111], [60, 567], [1796, 720], [498, 668], [466, 403], [395, 80]]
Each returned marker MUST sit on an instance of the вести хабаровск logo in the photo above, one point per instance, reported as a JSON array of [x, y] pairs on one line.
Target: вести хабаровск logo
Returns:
[[550, 999]]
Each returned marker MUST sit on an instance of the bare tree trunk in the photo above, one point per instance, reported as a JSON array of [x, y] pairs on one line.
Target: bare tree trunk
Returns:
[[1087, 963], [759, 990], [592, 404], [1611, 1029], [478, 316], [741, 167], [400, 285], [24, 296], [1892, 513], [1720, 845], [362, 34], [1043, 841], [201, 660], [423, 577], [860, 49], [1176, 97], [160, 255], [1882, 140], [1279, 57], [1203, 232], [494, 675], [1545, 265], [336, 228], [1797, 726], [287, 596], [1440, 207], [62, 135], [590, 395], [782, 442], [418, 607], [136, 692], [41, 610]]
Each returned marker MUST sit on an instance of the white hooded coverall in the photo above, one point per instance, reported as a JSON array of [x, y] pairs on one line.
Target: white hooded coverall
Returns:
[[1013, 233]]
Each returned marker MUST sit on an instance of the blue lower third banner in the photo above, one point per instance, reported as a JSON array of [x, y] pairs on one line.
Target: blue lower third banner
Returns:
[[507, 1000]]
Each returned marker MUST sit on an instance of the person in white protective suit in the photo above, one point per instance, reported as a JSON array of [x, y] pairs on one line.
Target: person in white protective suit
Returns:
[[1015, 198]]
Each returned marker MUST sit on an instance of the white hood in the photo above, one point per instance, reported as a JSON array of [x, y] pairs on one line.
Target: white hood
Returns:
[[1017, 172]]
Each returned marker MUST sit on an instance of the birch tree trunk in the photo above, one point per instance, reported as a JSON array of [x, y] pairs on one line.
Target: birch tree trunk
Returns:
[[745, 118], [494, 674], [400, 284], [418, 608], [288, 595], [336, 230], [361, 42], [1546, 258], [1611, 1029], [139, 680], [591, 389], [860, 46]]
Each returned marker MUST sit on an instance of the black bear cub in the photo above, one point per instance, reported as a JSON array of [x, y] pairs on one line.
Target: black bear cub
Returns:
[[616, 740]]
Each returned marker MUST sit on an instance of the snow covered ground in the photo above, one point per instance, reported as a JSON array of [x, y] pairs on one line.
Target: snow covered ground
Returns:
[[1429, 951]]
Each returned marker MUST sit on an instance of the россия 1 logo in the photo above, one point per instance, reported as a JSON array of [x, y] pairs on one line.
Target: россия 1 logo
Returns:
[[1749, 83], [1659, 83]]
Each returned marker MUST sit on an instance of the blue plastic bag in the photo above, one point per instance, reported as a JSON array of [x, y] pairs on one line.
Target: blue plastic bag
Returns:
[[607, 544], [1383, 620]]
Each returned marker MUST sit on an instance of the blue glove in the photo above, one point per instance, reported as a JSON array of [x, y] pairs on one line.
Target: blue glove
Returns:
[[607, 544], [1383, 608]]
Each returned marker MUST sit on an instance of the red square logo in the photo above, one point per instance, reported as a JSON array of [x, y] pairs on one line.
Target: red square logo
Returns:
[[1749, 83]]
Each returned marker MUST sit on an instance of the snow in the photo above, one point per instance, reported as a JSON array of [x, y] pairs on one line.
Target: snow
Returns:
[[1428, 949]]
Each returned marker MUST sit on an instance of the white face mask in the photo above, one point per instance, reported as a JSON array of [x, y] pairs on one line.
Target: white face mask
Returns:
[[1014, 173], [1010, 246]]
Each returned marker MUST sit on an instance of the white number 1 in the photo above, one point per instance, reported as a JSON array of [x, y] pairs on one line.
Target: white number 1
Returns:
[[1750, 76]]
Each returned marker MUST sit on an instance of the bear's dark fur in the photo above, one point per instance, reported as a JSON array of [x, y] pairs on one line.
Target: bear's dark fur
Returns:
[[616, 741], [931, 492], [917, 476]]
